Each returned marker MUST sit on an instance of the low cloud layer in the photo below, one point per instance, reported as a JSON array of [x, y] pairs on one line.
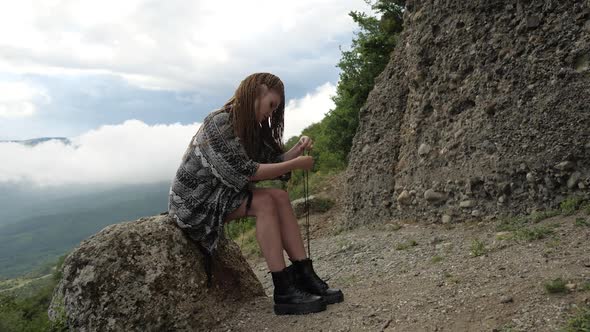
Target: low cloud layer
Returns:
[[127, 153], [130, 152]]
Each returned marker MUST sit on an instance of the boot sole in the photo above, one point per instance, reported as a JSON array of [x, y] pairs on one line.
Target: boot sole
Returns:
[[299, 309], [336, 298]]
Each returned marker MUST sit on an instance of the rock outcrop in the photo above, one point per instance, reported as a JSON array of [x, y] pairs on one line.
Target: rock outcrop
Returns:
[[145, 275], [483, 110]]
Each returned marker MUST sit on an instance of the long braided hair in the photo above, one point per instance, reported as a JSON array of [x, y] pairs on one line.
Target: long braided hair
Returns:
[[253, 135]]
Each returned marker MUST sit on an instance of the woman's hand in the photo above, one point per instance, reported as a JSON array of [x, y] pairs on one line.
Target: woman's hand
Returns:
[[305, 143], [304, 162]]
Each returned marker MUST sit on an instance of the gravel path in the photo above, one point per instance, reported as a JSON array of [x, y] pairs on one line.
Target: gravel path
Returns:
[[418, 277]]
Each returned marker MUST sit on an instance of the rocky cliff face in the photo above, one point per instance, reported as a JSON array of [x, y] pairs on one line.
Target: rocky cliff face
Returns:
[[146, 275], [484, 109]]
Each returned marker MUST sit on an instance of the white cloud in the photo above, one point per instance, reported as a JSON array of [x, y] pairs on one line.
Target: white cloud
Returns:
[[300, 113], [173, 44], [127, 153], [17, 99], [130, 152]]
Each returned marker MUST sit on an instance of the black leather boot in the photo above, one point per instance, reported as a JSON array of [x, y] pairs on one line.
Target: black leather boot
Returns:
[[289, 299], [307, 280]]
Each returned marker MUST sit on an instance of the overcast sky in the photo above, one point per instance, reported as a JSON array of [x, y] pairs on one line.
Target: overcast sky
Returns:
[[129, 81]]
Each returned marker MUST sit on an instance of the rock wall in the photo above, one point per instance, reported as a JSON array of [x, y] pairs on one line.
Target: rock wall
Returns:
[[146, 275], [483, 110]]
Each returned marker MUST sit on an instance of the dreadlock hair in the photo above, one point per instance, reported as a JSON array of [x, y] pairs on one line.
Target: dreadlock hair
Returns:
[[253, 135]]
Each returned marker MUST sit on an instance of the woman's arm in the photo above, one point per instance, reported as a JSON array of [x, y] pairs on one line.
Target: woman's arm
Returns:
[[271, 171]]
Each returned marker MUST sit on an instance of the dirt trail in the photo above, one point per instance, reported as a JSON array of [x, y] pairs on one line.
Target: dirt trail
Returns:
[[424, 277]]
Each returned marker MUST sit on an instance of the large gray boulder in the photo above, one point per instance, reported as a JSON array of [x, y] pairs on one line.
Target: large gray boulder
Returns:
[[146, 275]]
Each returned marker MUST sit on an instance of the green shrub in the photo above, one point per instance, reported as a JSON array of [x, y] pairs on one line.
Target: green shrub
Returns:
[[437, 259], [406, 245], [511, 224], [534, 233], [570, 205], [478, 248], [555, 286], [323, 204], [580, 321], [542, 215], [581, 222]]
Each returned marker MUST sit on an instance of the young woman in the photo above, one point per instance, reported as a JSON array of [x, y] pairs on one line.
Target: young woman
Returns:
[[237, 145]]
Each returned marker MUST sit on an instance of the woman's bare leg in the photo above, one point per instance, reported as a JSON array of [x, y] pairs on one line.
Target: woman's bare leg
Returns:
[[290, 232], [268, 230]]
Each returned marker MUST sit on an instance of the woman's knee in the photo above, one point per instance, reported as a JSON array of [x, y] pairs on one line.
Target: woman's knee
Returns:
[[280, 195], [263, 203]]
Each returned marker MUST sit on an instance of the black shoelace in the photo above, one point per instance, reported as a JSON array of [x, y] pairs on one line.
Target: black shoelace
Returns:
[[306, 193]]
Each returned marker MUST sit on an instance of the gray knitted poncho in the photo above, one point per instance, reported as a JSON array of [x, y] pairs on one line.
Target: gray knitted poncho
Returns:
[[213, 179]]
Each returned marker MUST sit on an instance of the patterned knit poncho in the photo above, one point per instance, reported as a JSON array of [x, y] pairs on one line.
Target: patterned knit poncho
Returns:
[[213, 180]]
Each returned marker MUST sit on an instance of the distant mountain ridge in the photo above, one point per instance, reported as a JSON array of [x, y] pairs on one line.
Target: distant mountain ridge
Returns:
[[35, 141]]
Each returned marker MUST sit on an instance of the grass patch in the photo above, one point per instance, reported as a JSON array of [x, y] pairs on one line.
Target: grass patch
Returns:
[[406, 245], [478, 248], [555, 286], [437, 259], [236, 228], [570, 205], [554, 243], [522, 230], [316, 180], [582, 222], [534, 233], [504, 236], [451, 278], [243, 232], [538, 216], [507, 328], [580, 321], [517, 223], [323, 204], [511, 224]]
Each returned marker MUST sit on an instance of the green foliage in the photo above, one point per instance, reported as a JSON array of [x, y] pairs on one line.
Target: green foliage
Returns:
[[580, 322], [478, 248], [406, 245], [436, 259], [555, 286], [533, 233], [570, 205], [316, 181], [29, 313], [322, 204], [538, 216], [369, 54], [360, 65], [522, 229], [511, 224], [582, 222], [237, 227]]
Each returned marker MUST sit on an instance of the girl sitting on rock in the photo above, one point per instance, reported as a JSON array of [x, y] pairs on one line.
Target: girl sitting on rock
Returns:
[[237, 145]]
